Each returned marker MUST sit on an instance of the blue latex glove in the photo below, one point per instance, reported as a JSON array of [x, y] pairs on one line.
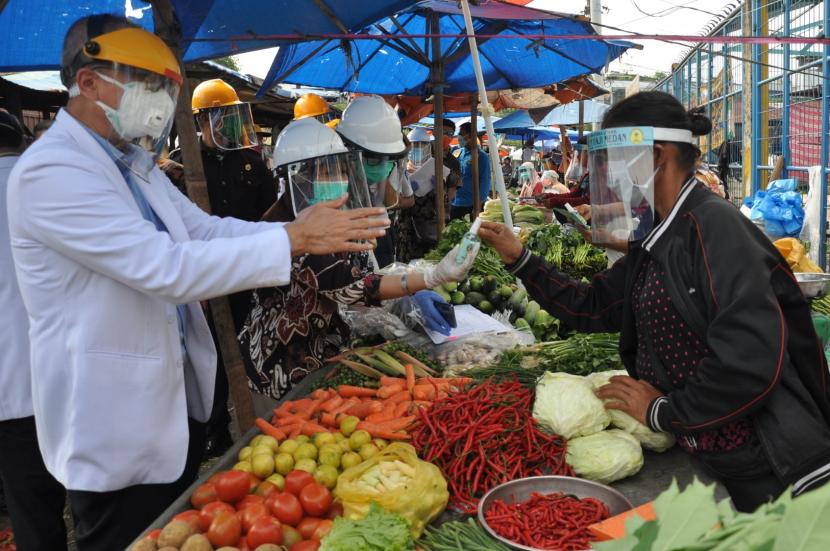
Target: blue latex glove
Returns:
[[425, 301]]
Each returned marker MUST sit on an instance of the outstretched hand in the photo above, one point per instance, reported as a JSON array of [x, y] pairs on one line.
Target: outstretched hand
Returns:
[[501, 238]]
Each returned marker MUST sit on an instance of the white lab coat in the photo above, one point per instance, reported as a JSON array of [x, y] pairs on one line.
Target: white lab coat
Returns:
[[15, 377], [110, 387]]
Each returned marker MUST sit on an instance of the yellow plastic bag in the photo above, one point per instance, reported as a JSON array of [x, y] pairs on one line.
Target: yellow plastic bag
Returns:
[[796, 255], [419, 500]]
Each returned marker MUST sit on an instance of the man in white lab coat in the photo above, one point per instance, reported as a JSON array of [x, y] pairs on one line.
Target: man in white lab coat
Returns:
[[35, 499], [112, 261]]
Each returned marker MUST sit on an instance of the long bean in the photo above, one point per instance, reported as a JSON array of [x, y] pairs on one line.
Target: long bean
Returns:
[[460, 536]]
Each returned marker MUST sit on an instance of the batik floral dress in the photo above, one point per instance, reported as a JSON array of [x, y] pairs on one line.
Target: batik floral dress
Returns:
[[291, 330]]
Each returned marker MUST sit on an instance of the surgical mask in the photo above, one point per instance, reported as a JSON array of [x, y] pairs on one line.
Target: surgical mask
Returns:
[[141, 112], [329, 190], [377, 172]]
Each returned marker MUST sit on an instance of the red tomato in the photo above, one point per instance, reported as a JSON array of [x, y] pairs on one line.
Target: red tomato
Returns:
[[249, 500], [214, 477], [307, 527], [265, 489], [204, 494], [254, 482], [287, 509], [154, 535], [232, 486], [209, 511], [290, 535], [305, 546], [322, 529], [296, 480], [315, 499], [265, 530], [225, 529], [243, 544], [336, 510], [191, 517], [251, 513]]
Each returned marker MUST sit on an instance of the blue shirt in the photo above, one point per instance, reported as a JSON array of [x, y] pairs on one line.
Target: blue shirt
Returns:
[[464, 195], [132, 162]]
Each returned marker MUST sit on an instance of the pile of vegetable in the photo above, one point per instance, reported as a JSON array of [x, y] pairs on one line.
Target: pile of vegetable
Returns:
[[234, 509], [552, 521], [523, 215], [378, 531], [579, 354], [386, 359], [384, 412], [460, 536], [487, 262], [567, 251], [483, 436], [692, 519]]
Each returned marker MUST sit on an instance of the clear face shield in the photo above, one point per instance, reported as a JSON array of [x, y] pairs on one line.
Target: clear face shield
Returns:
[[576, 169], [232, 127], [420, 154], [327, 178], [146, 106], [622, 172]]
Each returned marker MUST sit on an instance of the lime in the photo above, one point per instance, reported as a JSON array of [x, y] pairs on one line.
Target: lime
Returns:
[[306, 451], [326, 475], [262, 450], [358, 438], [302, 439], [308, 465], [368, 450], [349, 460], [289, 446], [349, 424], [243, 466], [277, 480], [269, 441], [245, 453], [262, 466], [380, 443], [329, 456], [255, 440], [283, 463], [323, 438]]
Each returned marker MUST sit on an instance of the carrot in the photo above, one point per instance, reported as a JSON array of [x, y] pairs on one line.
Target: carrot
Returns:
[[328, 419], [294, 418], [345, 406], [446, 380], [332, 403], [380, 432], [311, 428], [410, 377], [402, 408], [386, 381], [401, 396], [423, 392], [348, 391], [385, 392], [320, 393], [387, 414], [282, 411], [391, 425], [295, 432], [423, 403], [363, 409], [269, 429], [315, 406]]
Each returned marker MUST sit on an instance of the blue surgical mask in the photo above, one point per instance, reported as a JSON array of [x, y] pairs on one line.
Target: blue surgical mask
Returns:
[[378, 172]]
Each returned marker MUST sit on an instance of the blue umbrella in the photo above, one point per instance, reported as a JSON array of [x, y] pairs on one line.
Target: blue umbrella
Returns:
[[400, 61], [33, 30]]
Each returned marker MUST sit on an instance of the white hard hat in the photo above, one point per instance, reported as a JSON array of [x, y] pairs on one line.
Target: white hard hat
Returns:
[[372, 125], [305, 139], [419, 134]]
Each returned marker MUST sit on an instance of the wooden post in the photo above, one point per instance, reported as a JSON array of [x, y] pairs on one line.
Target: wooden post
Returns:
[[438, 116], [167, 27], [474, 159], [581, 117]]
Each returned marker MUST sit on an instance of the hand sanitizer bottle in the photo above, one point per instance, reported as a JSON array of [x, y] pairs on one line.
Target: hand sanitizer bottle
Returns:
[[469, 242]]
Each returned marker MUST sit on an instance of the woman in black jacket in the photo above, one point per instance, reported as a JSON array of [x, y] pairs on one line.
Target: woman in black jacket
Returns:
[[714, 330]]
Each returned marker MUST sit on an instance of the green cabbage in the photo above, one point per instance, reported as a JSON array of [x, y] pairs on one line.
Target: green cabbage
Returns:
[[655, 441], [566, 405], [378, 531], [605, 456]]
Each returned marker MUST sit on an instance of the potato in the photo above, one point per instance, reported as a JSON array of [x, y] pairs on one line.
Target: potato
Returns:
[[175, 534], [197, 542], [144, 545]]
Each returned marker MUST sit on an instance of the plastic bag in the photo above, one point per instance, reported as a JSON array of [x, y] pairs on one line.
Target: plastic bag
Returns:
[[780, 209], [478, 350], [795, 254], [811, 231], [420, 500]]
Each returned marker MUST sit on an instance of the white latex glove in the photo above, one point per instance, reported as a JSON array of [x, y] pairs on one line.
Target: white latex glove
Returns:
[[448, 270]]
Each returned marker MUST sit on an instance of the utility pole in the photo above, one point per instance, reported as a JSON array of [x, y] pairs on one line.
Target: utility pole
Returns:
[[595, 13]]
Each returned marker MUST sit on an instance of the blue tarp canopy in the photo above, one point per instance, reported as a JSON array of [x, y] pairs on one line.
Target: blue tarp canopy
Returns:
[[399, 63], [458, 119], [568, 114], [33, 30]]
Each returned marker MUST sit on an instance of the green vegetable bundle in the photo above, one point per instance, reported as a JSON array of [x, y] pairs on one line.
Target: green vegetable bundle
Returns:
[[378, 531], [580, 354], [691, 520], [528, 215], [568, 252], [821, 305], [460, 536], [487, 263]]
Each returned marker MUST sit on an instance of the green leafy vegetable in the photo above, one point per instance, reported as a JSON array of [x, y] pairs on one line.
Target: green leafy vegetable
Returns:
[[567, 251], [378, 531], [488, 262]]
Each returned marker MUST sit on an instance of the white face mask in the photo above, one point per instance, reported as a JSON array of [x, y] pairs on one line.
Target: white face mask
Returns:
[[142, 112]]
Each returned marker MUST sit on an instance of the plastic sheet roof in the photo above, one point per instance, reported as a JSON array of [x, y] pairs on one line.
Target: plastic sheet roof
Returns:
[[33, 30], [401, 65]]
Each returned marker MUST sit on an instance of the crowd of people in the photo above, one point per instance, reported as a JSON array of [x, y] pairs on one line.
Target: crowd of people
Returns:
[[111, 388]]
